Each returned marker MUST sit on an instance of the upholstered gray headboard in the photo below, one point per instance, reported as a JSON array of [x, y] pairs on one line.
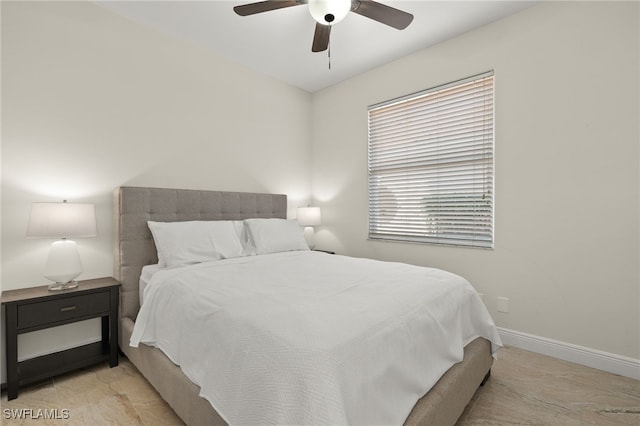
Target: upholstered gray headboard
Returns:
[[134, 206]]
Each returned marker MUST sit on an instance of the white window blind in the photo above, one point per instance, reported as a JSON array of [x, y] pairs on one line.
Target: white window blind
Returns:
[[431, 165]]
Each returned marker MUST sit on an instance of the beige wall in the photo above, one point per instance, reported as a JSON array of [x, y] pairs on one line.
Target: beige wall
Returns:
[[567, 169], [92, 101]]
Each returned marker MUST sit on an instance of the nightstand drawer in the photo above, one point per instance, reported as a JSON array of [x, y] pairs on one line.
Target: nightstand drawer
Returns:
[[58, 310]]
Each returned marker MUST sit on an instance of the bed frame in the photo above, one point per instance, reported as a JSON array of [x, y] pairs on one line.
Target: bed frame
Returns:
[[134, 248]]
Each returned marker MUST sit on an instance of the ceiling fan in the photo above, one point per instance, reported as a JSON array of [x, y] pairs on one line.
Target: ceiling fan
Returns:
[[329, 12]]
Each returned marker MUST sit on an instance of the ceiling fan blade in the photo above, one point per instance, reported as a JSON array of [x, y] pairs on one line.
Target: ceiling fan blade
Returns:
[[382, 13], [321, 38], [265, 6]]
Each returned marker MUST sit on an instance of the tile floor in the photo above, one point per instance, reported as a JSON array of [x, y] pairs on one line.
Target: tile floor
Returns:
[[524, 389]]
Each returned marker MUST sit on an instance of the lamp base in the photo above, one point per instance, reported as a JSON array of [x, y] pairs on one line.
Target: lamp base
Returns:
[[63, 286], [310, 236], [63, 265]]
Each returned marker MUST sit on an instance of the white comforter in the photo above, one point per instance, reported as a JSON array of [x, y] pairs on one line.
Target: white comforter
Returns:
[[311, 338]]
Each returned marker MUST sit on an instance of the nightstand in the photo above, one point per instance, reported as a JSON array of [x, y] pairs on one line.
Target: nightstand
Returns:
[[37, 308]]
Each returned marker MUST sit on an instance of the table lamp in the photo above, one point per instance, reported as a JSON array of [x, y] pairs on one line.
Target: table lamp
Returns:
[[309, 217], [62, 220]]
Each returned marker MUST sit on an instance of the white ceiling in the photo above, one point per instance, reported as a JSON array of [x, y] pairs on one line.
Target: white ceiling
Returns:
[[278, 43]]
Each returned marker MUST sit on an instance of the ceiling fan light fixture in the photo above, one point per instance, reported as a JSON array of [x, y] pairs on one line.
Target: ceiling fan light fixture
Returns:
[[329, 12]]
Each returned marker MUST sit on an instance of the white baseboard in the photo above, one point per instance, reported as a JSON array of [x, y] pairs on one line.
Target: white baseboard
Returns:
[[594, 358]]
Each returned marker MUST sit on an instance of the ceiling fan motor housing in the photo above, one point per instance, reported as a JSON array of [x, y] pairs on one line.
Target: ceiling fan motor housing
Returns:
[[329, 12]]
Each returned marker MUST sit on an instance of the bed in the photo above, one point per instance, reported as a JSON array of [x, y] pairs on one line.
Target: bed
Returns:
[[135, 248]]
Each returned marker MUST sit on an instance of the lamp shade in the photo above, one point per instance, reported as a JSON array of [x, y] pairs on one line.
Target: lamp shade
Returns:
[[329, 12], [309, 216], [62, 220]]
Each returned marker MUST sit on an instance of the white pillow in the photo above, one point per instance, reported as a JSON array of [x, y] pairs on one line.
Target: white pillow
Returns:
[[225, 238], [182, 243], [243, 234], [276, 235]]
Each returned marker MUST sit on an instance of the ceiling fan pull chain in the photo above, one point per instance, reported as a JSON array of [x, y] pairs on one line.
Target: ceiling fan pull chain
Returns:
[[329, 54]]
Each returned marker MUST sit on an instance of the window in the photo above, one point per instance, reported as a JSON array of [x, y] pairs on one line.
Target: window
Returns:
[[431, 165]]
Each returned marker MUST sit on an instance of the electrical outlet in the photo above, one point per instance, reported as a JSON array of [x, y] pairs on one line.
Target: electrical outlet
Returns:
[[503, 304]]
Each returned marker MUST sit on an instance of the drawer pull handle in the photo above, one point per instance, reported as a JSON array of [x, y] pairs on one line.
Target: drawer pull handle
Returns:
[[68, 308]]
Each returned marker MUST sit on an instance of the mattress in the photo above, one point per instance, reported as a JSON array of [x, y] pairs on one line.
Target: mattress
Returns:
[[306, 337]]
